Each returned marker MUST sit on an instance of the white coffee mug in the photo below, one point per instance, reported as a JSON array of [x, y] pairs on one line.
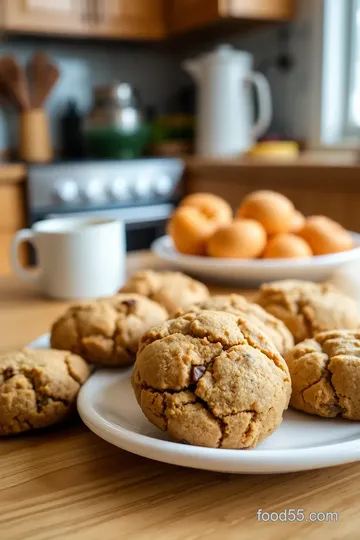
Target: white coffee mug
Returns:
[[77, 257]]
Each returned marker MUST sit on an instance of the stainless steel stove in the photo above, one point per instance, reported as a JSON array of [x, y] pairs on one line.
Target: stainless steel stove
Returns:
[[141, 193]]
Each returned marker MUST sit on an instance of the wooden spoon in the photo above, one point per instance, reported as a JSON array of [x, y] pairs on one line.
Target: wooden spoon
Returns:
[[13, 80]]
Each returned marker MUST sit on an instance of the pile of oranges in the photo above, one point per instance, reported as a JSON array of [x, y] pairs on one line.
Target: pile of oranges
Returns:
[[266, 225]]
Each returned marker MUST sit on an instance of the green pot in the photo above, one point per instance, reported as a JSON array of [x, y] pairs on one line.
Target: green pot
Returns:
[[115, 143]]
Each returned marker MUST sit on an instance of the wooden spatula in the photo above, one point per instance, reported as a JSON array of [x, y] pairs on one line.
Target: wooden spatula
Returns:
[[42, 76], [35, 69]]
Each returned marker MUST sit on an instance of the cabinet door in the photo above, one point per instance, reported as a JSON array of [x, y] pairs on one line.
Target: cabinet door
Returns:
[[66, 17], [188, 14], [133, 19]]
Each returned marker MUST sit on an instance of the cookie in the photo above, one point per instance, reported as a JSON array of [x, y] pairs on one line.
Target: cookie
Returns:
[[106, 332], [325, 374], [38, 388], [242, 239], [211, 379], [173, 290], [287, 246], [238, 305], [308, 308], [273, 210]]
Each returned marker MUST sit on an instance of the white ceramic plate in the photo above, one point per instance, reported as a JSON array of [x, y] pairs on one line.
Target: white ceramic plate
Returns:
[[107, 405], [255, 271]]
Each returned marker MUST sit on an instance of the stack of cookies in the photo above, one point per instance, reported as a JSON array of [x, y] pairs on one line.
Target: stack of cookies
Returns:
[[216, 371], [216, 376]]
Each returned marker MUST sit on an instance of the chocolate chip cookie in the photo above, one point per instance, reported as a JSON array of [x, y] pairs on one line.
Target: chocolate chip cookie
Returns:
[[106, 332], [308, 308], [211, 379], [38, 388], [173, 290], [325, 374], [238, 305]]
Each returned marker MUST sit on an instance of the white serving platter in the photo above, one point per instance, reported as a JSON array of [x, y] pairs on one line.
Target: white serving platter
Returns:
[[107, 405], [252, 272]]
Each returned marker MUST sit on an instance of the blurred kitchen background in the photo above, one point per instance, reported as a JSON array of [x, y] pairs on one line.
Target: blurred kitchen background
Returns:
[[118, 108]]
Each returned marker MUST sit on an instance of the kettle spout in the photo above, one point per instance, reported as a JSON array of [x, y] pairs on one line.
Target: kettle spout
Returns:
[[191, 67]]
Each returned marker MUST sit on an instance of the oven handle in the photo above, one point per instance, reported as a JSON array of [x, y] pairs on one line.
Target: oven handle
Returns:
[[129, 216]]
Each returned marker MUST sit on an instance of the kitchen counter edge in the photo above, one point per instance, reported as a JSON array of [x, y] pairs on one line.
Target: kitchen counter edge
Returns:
[[12, 173]]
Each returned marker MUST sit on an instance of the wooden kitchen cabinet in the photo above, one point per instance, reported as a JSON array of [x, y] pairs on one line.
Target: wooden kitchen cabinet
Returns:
[[136, 19], [121, 19], [12, 212], [67, 17], [190, 14], [185, 15], [133, 19]]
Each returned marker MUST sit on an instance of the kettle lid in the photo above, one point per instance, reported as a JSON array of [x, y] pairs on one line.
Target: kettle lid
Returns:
[[224, 50], [224, 53]]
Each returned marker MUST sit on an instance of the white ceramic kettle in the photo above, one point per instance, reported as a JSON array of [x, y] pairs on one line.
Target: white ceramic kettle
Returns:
[[225, 106]]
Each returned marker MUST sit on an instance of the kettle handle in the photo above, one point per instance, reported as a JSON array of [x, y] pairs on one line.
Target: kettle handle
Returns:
[[265, 104]]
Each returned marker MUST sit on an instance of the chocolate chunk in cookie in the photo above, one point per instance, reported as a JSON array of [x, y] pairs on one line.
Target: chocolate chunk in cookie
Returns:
[[196, 373]]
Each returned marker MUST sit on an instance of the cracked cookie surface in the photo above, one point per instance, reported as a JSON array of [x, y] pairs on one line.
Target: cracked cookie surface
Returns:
[[107, 331], [325, 374], [308, 308], [38, 388], [212, 379], [173, 290], [238, 305]]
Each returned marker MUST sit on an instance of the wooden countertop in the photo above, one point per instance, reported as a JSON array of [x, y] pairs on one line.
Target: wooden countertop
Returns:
[[338, 162], [313, 172], [345, 159], [12, 173], [67, 483]]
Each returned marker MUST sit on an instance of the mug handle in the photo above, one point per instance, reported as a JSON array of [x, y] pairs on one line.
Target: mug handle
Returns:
[[25, 235], [263, 90]]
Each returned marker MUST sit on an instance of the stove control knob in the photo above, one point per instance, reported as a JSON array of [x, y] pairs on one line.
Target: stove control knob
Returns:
[[119, 189], [163, 185], [93, 191], [142, 188], [66, 191]]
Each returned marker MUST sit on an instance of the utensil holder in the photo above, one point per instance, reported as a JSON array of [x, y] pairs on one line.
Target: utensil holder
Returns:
[[34, 136]]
